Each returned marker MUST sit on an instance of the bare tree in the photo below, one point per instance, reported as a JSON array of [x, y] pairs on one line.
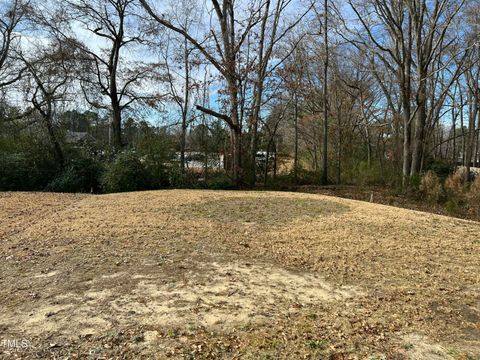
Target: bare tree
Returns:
[[393, 46], [292, 74], [270, 34], [430, 25], [51, 71], [113, 75], [11, 15], [225, 60], [180, 61], [413, 34], [472, 77], [227, 40]]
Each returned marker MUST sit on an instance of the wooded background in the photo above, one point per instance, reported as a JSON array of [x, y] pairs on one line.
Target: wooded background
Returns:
[[116, 95]]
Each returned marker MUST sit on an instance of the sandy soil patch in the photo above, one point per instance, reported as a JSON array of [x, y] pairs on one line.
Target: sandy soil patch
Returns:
[[208, 275]]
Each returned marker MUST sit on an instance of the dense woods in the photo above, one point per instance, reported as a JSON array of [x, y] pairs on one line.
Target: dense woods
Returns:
[[117, 95]]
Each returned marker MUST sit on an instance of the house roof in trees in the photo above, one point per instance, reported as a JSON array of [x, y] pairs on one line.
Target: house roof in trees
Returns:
[[75, 137]]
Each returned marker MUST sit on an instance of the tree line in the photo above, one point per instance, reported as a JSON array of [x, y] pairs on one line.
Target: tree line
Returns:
[[300, 91]]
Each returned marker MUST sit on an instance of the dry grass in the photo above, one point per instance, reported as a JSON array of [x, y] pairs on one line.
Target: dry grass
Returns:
[[203, 274], [474, 192], [431, 187], [455, 183]]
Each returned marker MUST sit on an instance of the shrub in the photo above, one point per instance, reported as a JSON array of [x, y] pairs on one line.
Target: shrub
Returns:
[[455, 189], [304, 177], [375, 174], [415, 182], [442, 168], [220, 181], [81, 175], [455, 184], [452, 207], [175, 177], [14, 172], [125, 173], [24, 172], [155, 150], [158, 175], [431, 187], [474, 197], [286, 180], [474, 193]]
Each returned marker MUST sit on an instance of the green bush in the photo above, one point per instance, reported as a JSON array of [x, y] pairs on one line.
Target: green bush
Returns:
[[81, 175], [125, 173], [175, 177], [307, 177], [415, 182], [189, 180], [220, 181], [14, 172], [452, 207], [158, 174], [304, 177], [442, 168], [368, 175], [155, 150], [24, 172]]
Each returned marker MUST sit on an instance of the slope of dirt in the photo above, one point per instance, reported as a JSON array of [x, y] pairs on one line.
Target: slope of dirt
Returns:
[[250, 275]]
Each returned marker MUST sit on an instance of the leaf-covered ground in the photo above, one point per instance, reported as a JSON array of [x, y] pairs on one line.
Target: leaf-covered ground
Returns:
[[234, 275]]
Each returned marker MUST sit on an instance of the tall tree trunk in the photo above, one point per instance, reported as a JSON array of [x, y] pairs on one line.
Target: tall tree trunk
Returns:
[[254, 132], [114, 99], [274, 159], [204, 122], [419, 124], [462, 129], [236, 132], [295, 150], [237, 156], [186, 99], [477, 142], [454, 131], [264, 53], [265, 171], [183, 144], [253, 154], [406, 93], [324, 177], [474, 103], [116, 124], [407, 131], [339, 154], [57, 148]]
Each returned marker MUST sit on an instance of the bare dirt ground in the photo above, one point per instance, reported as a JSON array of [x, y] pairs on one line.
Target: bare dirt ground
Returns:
[[234, 275]]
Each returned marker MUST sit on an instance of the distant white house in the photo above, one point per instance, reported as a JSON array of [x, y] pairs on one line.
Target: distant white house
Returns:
[[195, 160], [261, 157]]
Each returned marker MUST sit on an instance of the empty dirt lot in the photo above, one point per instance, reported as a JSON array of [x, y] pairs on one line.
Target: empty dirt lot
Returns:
[[234, 275]]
